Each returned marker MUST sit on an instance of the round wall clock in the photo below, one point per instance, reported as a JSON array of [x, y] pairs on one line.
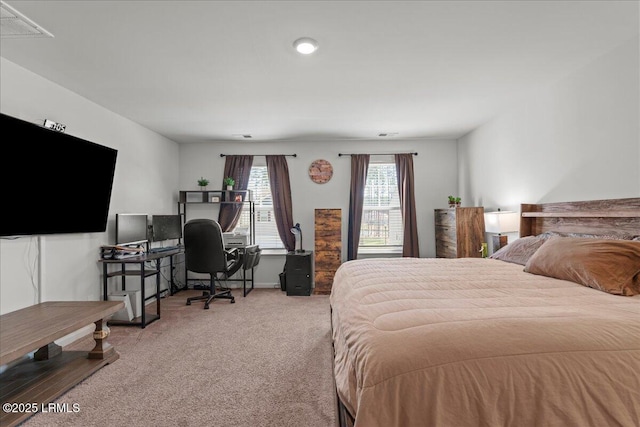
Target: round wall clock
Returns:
[[320, 171]]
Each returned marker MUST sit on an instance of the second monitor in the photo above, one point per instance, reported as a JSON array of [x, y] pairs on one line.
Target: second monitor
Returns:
[[166, 227]]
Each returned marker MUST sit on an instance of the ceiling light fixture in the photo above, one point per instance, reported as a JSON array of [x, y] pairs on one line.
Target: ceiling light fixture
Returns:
[[305, 45]]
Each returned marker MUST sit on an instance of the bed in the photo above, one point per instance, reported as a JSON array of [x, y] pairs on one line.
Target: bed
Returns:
[[482, 342]]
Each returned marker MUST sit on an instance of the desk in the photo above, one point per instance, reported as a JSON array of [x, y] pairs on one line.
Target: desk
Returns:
[[144, 319], [51, 372]]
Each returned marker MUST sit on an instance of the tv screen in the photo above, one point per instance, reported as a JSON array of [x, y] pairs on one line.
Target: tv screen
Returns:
[[131, 229], [51, 182], [166, 227]]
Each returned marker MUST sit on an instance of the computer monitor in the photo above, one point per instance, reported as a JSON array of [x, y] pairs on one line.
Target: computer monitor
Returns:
[[131, 229], [166, 227]]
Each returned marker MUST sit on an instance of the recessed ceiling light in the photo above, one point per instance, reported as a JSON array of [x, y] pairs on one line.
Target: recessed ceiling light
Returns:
[[305, 45]]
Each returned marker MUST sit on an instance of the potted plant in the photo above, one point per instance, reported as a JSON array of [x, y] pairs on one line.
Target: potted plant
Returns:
[[452, 201], [458, 201], [203, 182], [229, 182]]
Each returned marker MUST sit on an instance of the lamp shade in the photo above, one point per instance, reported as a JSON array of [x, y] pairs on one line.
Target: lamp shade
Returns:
[[501, 222]]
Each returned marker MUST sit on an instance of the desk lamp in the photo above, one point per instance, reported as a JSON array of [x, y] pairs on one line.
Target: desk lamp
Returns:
[[500, 222], [297, 232]]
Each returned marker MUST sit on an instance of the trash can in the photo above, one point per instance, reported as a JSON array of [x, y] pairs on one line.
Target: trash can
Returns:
[[283, 281]]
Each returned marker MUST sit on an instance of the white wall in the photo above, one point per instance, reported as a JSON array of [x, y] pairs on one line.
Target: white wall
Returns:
[[435, 174], [578, 139], [146, 180]]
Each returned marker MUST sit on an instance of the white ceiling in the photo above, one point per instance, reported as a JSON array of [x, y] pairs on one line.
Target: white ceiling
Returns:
[[207, 70]]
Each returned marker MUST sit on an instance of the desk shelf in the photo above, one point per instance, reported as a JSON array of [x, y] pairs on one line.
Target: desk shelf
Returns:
[[216, 200], [147, 273], [136, 321], [142, 273]]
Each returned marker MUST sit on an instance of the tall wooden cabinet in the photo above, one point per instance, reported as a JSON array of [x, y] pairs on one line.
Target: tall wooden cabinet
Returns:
[[459, 232], [328, 248]]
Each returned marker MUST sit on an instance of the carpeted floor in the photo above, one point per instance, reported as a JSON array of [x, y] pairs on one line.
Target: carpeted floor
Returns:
[[263, 361]]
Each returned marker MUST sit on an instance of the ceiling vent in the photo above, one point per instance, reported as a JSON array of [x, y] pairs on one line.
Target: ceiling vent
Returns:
[[14, 24]]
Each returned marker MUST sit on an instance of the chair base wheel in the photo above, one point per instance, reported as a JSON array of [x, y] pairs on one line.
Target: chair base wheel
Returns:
[[188, 302], [233, 301], [206, 307]]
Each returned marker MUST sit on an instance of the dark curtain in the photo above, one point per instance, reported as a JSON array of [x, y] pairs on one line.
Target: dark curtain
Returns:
[[278, 171], [359, 167], [404, 172], [239, 168]]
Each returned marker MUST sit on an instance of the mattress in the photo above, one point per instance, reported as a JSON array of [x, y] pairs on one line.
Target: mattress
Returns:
[[479, 342]]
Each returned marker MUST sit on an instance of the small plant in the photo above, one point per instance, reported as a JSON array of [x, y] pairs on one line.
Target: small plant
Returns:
[[229, 181], [454, 201], [203, 182]]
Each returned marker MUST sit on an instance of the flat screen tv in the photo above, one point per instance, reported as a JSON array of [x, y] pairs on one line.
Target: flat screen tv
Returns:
[[166, 227], [52, 182], [131, 229]]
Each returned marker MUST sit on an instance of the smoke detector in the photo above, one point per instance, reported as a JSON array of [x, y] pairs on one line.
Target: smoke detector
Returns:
[[14, 24]]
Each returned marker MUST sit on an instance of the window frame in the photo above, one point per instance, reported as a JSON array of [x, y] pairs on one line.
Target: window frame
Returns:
[[382, 248], [260, 211]]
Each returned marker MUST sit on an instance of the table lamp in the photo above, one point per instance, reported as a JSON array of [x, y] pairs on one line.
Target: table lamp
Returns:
[[297, 232], [501, 222]]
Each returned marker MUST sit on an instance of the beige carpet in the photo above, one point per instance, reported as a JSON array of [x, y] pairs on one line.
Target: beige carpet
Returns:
[[263, 361]]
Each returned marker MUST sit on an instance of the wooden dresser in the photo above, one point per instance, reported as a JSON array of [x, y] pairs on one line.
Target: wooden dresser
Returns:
[[459, 232], [328, 248]]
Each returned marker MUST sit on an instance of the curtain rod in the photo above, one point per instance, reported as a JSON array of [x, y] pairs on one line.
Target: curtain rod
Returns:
[[287, 155], [377, 154]]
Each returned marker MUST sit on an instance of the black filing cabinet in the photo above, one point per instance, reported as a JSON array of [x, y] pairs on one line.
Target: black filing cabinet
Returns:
[[299, 273]]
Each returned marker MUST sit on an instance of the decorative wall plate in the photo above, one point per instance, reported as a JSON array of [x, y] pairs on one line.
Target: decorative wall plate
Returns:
[[320, 171]]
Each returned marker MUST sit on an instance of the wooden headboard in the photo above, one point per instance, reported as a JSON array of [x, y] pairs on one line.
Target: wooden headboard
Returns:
[[613, 217]]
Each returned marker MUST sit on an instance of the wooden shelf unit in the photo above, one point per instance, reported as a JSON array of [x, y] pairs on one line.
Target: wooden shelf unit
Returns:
[[328, 248]]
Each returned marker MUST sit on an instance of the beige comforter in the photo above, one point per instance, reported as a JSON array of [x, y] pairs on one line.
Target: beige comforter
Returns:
[[479, 342]]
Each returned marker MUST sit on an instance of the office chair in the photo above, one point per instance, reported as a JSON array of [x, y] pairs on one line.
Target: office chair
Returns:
[[205, 253]]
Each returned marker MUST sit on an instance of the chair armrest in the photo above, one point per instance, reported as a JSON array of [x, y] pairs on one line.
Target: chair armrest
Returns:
[[232, 253]]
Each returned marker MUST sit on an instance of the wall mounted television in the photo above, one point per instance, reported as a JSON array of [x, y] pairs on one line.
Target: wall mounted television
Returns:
[[52, 182], [166, 227]]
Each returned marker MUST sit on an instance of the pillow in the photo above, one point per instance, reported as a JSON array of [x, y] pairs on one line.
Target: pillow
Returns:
[[611, 266], [519, 251]]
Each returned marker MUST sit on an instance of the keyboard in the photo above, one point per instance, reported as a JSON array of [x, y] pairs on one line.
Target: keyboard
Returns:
[[164, 249]]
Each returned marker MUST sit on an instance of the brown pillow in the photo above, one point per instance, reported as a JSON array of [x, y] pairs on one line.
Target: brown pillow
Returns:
[[611, 266], [519, 251]]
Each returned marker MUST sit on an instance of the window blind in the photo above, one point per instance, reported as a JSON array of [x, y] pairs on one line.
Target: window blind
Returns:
[[381, 218], [265, 223]]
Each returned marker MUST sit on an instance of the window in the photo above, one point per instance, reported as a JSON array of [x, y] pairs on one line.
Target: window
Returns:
[[381, 218], [265, 222]]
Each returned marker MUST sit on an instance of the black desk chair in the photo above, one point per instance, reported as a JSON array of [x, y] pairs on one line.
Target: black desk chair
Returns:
[[205, 253]]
